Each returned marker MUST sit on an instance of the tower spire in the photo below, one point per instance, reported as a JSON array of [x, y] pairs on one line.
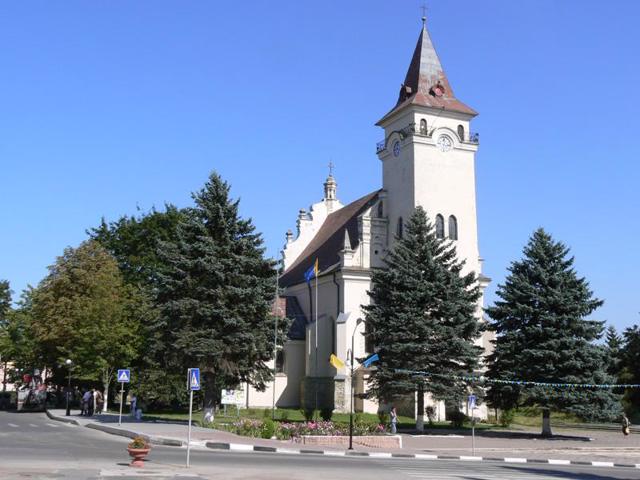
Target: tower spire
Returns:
[[426, 83]]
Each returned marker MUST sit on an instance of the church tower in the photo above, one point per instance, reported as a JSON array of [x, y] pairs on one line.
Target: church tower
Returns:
[[428, 156]]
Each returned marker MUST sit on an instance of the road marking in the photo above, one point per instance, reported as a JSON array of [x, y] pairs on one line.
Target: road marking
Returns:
[[52, 425], [241, 446], [335, 453], [469, 458], [34, 426], [515, 460], [559, 462], [379, 455], [422, 456], [602, 464], [13, 425]]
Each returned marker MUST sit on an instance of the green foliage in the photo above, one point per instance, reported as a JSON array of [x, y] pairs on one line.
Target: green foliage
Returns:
[[422, 316], [215, 293], [507, 416], [268, 428], [430, 411], [82, 310], [543, 336], [630, 369], [613, 345], [457, 418], [266, 413], [383, 418], [135, 242], [139, 443], [308, 413], [5, 301], [284, 415], [326, 414]]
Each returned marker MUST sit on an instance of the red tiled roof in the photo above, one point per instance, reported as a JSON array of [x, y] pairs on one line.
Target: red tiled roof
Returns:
[[426, 83], [329, 240]]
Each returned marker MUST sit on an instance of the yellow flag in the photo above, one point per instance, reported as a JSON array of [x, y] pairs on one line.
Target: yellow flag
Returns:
[[335, 361]]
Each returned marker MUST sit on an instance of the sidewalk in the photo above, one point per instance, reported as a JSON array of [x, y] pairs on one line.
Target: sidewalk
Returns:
[[588, 447]]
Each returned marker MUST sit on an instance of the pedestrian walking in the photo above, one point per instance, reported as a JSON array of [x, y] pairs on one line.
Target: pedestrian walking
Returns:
[[87, 400], [99, 402], [625, 425], [394, 420], [90, 401]]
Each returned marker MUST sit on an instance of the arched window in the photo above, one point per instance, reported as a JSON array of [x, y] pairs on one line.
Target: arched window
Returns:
[[439, 226], [423, 126], [400, 228], [380, 209], [461, 132], [453, 228]]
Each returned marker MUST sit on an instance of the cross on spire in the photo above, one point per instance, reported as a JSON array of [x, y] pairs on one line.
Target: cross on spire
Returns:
[[331, 165], [424, 12]]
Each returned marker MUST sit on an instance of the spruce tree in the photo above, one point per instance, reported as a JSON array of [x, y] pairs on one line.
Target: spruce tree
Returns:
[[613, 345], [422, 318], [215, 293], [543, 336], [630, 370]]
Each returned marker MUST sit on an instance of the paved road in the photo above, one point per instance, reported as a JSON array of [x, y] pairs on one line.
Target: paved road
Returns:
[[32, 446]]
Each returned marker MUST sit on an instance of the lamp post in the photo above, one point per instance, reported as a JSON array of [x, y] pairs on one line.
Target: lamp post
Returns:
[[68, 362], [358, 322]]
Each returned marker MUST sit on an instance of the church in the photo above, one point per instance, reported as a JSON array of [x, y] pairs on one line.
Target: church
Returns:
[[427, 159]]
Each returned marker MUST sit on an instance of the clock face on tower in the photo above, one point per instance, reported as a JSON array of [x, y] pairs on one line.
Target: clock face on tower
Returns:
[[444, 143], [396, 149]]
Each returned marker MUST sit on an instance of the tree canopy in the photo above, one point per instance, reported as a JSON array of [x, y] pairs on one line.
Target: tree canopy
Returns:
[[543, 335], [83, 310], [215, 294], [422, 316]]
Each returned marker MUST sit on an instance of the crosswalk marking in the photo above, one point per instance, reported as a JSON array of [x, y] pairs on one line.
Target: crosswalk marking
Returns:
[[33, 425], [12, 425], [52, 425]]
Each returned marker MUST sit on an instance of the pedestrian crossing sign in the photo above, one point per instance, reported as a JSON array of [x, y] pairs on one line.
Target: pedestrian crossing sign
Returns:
[[124, 376], [193, 379]]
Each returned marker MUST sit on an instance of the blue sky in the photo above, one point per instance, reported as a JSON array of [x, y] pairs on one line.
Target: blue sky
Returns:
[[110, 106]]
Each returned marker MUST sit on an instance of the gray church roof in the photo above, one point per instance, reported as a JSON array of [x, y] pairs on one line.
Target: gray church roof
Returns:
[[329, 241]]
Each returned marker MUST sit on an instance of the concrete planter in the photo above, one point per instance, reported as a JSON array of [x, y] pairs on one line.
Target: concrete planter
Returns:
[[373, 441]]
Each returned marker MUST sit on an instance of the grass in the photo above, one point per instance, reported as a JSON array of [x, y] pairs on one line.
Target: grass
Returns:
[[525, 417]]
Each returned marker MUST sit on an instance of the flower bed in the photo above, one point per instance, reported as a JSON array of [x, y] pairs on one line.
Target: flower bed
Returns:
[[296, 430]]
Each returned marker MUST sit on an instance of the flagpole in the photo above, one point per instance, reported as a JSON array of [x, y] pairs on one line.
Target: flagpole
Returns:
[[316, 382]]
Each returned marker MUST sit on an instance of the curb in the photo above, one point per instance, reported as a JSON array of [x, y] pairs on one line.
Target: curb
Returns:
[[240, 447], [170, 442], [62, 419]]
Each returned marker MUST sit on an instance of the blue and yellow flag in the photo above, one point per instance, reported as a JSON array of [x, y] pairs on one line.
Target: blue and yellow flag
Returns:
[[312, 272]]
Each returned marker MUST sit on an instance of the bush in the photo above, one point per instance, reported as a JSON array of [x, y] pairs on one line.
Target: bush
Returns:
[[383, 417], [268, 428], [307, 413], [507, 416], [284, 415], [326, 414], [266, 413], [430, 411], [457, 419]]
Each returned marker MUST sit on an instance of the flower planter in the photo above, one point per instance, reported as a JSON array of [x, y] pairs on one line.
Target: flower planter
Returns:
[[138, 455]]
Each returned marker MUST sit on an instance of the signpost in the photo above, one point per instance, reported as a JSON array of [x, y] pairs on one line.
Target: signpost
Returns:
[[124, 376], [193, 383], [472, 407]]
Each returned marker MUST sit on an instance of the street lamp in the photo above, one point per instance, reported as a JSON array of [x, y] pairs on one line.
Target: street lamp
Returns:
[[68, 362], [358, 322]]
